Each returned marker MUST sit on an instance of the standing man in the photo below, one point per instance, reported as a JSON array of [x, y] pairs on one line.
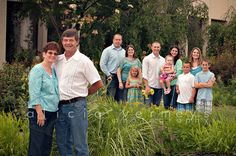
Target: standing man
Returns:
[[151, 74], [109, 63], [75, 72]]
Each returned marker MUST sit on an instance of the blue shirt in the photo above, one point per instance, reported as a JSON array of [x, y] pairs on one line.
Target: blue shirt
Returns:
[[43, 89], [110, 59], [204, 93], [195, 70], [125, 66]]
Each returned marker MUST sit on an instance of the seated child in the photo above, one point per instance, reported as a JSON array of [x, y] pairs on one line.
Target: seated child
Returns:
[[167, 74]]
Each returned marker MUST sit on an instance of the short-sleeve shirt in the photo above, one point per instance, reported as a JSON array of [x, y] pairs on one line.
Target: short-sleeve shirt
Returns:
[[186, 84], [74, 75], [125, 66], [43, 89], [204, 93]]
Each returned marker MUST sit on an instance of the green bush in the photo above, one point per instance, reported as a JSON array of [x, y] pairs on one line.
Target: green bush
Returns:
[[14, 136], [14, 88], [224, 94], [120, 130]]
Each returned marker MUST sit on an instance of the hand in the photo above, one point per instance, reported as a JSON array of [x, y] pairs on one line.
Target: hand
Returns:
[[177, 91], [147, 89], [109, 78], [41, 119], [121, 85], [191, 100]]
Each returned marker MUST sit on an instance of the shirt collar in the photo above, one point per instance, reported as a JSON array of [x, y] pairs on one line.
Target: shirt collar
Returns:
[[155, 56], [76, 56], [113, 47]]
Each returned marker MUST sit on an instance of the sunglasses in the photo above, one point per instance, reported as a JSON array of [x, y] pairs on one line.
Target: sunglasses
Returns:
[[50, 53]]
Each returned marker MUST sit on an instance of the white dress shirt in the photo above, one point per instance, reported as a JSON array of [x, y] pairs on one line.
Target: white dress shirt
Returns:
[[151, 67], [74, 75]]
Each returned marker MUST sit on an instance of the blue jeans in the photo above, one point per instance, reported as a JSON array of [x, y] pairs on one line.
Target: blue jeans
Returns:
[[71, 128], [184, 107], [171, 98], [154, 99], [40, 139], [113, 88]]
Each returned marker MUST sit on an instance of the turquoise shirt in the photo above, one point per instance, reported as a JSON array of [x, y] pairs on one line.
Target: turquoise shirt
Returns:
[[204, 93], [110, 59], [43, 89], [196, 70], [178, 70], [125, 66]]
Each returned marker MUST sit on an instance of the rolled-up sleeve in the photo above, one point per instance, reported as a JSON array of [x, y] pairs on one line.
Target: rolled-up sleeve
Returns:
[[35, 85]]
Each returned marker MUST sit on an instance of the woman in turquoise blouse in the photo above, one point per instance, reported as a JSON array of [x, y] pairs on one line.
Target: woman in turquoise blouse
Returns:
[[43, 102], [124, 68], [171, 98]]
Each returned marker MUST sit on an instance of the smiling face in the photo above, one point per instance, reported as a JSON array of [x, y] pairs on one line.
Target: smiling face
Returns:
[[69, 44], [169, 60], [134, 72], [174, 52], [156, 47], [50, 56], [117, 40], [130, 52], [205, 66], [186, 67]]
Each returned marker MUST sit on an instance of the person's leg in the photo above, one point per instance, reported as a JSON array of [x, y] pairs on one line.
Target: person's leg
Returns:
[[79, 125], [113, 87], [63, 136], [180, 107], [49, 125], [36, 135], [163, 86], [200, 106], [174, 96], [189, 107], [167, 100], [157, 96], [168, 86], [208, 107]]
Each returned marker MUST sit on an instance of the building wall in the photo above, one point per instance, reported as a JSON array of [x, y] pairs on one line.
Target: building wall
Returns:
[[3, 10]]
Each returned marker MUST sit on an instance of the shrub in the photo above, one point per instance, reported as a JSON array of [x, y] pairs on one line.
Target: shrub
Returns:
[[14, 88]]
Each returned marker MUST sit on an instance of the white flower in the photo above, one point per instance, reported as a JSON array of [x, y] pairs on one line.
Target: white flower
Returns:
[[118, 1], [95, 31], [117, 11], [60, 2], [131, 6], [73, 6]]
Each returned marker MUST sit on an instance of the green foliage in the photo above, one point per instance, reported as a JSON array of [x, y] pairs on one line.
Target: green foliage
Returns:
[[14, 135], [224, 65], [119, 129], [224, 94], [14, 88]]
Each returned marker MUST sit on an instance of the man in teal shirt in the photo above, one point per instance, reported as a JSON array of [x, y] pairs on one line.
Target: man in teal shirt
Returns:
[[109, 62]]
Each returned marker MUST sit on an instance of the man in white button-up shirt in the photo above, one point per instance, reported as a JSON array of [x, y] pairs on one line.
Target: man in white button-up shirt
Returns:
[[151, 74], [75, 72]]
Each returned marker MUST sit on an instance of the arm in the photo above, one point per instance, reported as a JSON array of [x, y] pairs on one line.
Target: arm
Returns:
[[191, 100], [119, 78], [177, 89], [104, 61], [94, 87]]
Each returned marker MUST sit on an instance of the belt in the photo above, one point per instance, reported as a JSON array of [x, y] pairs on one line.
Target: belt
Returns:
[[73, 100]]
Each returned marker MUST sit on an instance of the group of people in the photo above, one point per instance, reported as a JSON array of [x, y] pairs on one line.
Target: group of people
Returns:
[[180, 83], [59, 85]]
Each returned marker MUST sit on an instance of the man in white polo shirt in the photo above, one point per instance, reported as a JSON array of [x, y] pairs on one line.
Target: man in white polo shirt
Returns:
[[75, 72], [151, 74]]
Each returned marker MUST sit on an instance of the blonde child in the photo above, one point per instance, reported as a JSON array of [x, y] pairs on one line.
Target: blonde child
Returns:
[[167, 74], [133, 84]]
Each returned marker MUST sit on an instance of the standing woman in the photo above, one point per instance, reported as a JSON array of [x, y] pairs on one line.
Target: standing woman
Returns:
[[171, 98], [195, 58], [124, 68], [43, 102]]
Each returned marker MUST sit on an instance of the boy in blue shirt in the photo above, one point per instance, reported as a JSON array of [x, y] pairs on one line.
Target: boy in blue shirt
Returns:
[[204, 81]]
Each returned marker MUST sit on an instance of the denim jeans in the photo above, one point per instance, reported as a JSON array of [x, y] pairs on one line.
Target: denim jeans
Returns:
[[171, 98], [154, 99], [40, 139], [113, 88], [71, 128]]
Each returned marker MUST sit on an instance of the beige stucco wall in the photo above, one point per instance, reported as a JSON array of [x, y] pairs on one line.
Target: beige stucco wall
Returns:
[[3, 12]]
